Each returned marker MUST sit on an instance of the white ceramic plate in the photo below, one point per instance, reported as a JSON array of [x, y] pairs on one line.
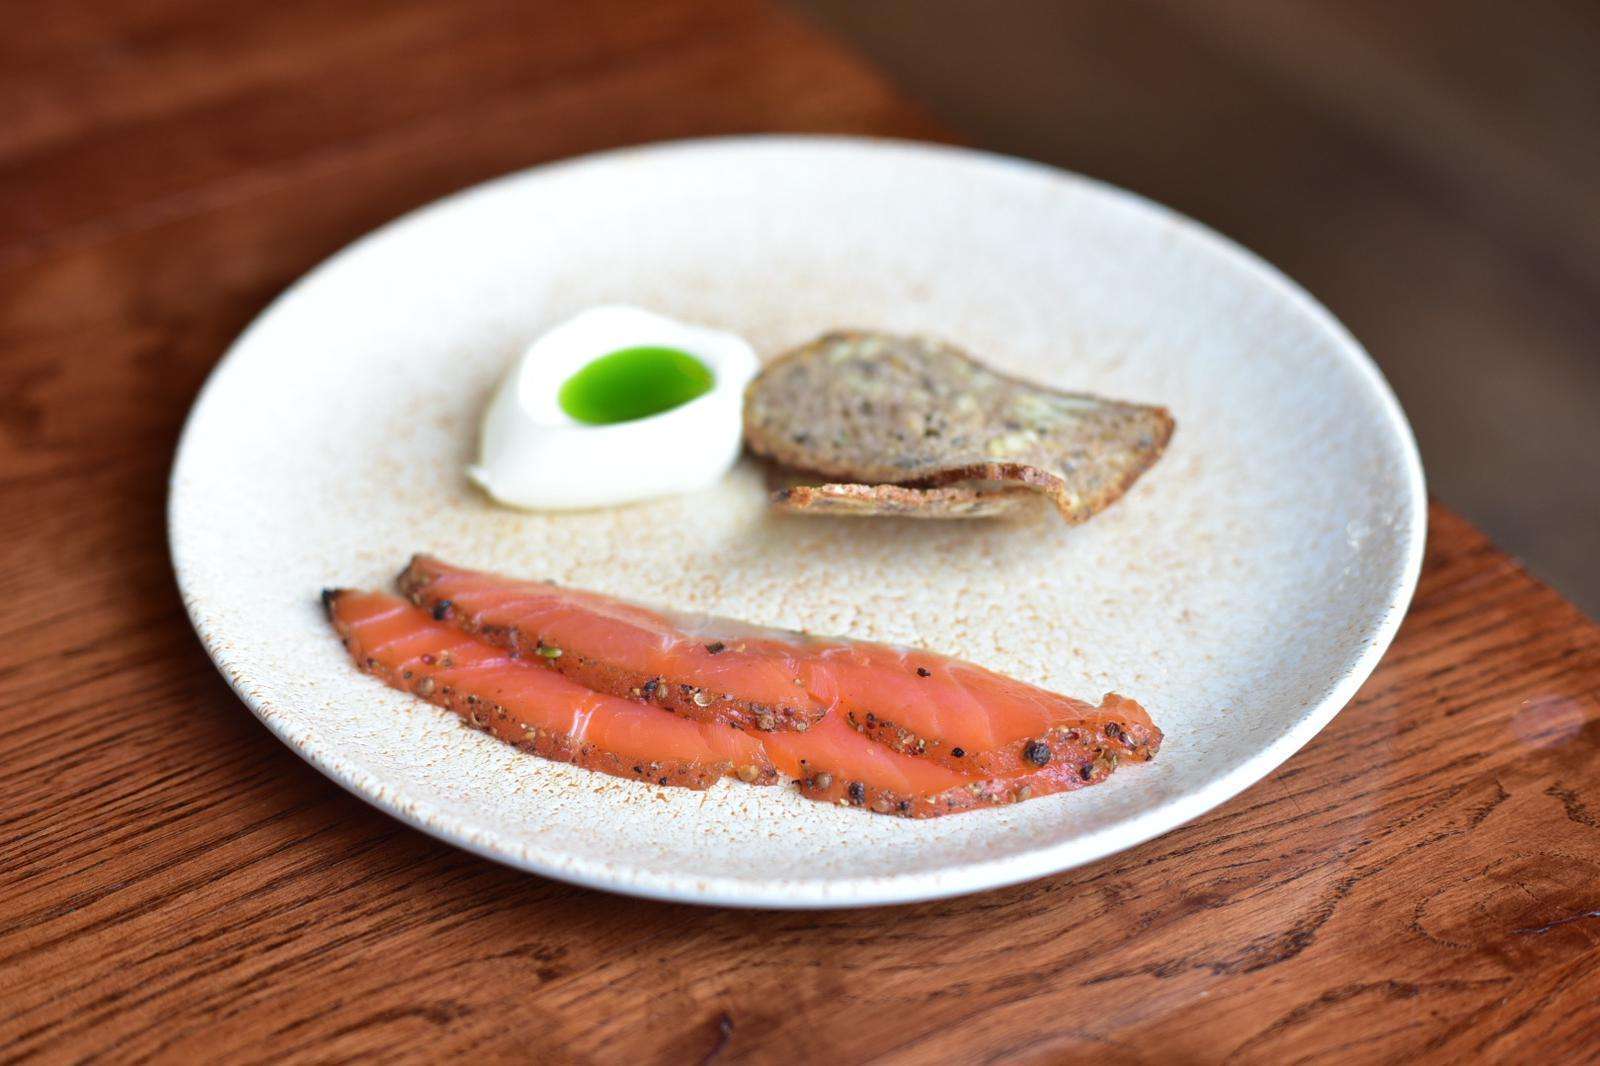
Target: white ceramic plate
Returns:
[[1242, 591]]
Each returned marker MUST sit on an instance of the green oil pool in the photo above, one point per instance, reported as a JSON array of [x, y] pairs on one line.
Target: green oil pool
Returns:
[[633, 383]]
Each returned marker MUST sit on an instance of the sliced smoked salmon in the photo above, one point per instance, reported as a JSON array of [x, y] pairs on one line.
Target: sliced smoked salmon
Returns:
[[544, 712], [966, 717], [701, 668], [537, 710], [833, 763], [943, 710]]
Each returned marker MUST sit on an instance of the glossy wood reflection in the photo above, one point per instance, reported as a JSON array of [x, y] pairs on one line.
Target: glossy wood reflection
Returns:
[[176, 885]]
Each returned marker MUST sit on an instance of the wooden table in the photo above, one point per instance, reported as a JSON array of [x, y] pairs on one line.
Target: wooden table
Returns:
[[1423, 879]]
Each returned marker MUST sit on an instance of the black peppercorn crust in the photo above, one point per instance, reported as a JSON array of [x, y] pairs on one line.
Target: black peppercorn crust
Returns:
[[1086, 765], [614, 678], [1118, 727], [430, 679]]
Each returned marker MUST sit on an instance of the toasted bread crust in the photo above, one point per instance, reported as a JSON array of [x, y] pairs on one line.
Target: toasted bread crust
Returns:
[[949, 501]]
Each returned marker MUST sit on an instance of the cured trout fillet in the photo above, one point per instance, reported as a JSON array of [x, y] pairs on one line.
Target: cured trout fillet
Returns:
[[541, 711], [703, 668], [943, 710], [833, 763], [967, 718], [537, 710]]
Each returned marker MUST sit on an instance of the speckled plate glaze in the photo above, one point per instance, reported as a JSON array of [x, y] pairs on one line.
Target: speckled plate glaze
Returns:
[[1242, 590]]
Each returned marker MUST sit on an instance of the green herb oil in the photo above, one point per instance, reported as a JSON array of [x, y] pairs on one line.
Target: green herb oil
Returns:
[[633, 383]]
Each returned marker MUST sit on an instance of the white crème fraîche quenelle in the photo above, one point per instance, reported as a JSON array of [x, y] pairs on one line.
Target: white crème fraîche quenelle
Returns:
[[533, 454]]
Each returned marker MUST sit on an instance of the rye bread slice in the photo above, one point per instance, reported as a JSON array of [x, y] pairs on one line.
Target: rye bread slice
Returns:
[[876, 409]]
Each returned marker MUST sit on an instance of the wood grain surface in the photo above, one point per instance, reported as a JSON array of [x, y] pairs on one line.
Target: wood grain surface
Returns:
[[1423, 880]]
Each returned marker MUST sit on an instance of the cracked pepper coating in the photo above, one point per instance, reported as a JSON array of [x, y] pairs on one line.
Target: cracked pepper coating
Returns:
[[678, 662], [537, 710], [542, 713], [678, 699], [916, 703], [877, 410]]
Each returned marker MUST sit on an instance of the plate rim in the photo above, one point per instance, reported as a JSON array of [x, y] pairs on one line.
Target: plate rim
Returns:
[[907, 887]]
